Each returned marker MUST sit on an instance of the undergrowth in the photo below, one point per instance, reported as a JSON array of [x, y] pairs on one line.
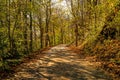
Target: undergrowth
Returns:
[[8, 66], [108, 53]]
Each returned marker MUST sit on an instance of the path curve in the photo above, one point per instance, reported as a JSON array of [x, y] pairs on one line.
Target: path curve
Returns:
[[59, 63]]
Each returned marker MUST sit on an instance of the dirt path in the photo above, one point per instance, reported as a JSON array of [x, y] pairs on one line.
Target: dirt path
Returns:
[[60, 63]]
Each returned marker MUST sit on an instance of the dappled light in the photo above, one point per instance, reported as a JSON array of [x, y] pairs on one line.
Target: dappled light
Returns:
[[62, 64]]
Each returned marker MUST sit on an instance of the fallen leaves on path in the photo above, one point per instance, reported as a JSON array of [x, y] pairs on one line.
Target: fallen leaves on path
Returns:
[[59, 63]]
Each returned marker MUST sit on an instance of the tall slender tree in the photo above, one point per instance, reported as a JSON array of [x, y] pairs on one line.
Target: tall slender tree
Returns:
[[31, 28]]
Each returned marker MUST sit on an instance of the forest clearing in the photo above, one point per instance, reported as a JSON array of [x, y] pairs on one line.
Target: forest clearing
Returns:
[[59, 39]]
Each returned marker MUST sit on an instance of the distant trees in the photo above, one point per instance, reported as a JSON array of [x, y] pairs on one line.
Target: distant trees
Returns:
[[28, 25]]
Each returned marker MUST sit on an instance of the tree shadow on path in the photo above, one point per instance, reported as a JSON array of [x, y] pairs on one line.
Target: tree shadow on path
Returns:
[[60, 64]]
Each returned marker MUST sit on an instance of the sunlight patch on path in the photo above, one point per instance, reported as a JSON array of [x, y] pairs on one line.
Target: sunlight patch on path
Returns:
[[60, 60]]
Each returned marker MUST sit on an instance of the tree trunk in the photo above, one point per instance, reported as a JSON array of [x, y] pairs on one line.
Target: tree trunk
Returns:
[[9, 23], [48, 15], [31, 29], [76, 35], [41, 33], [25, 30]]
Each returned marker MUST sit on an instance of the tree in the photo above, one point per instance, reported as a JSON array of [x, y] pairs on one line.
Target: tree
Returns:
[[31, 28]]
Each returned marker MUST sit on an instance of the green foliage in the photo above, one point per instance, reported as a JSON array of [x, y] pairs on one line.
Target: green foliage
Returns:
[[16, 18]]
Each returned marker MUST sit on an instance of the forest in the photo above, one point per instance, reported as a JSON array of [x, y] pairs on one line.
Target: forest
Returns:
[[89, 27]]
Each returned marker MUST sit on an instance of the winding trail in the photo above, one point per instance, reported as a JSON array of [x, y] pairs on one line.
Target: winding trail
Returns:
[[59, 63]]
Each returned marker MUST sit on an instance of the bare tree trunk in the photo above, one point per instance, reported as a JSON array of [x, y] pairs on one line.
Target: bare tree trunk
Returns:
[[41, 31], [47, 27], [76, 35], [48, 15], [8, 23], [61, 30], [25, 30], [54, 41], [31, 29], [95, 3], [35, 38]]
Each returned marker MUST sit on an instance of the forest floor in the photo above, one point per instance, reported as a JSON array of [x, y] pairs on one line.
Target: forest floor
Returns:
[[59, 63]]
